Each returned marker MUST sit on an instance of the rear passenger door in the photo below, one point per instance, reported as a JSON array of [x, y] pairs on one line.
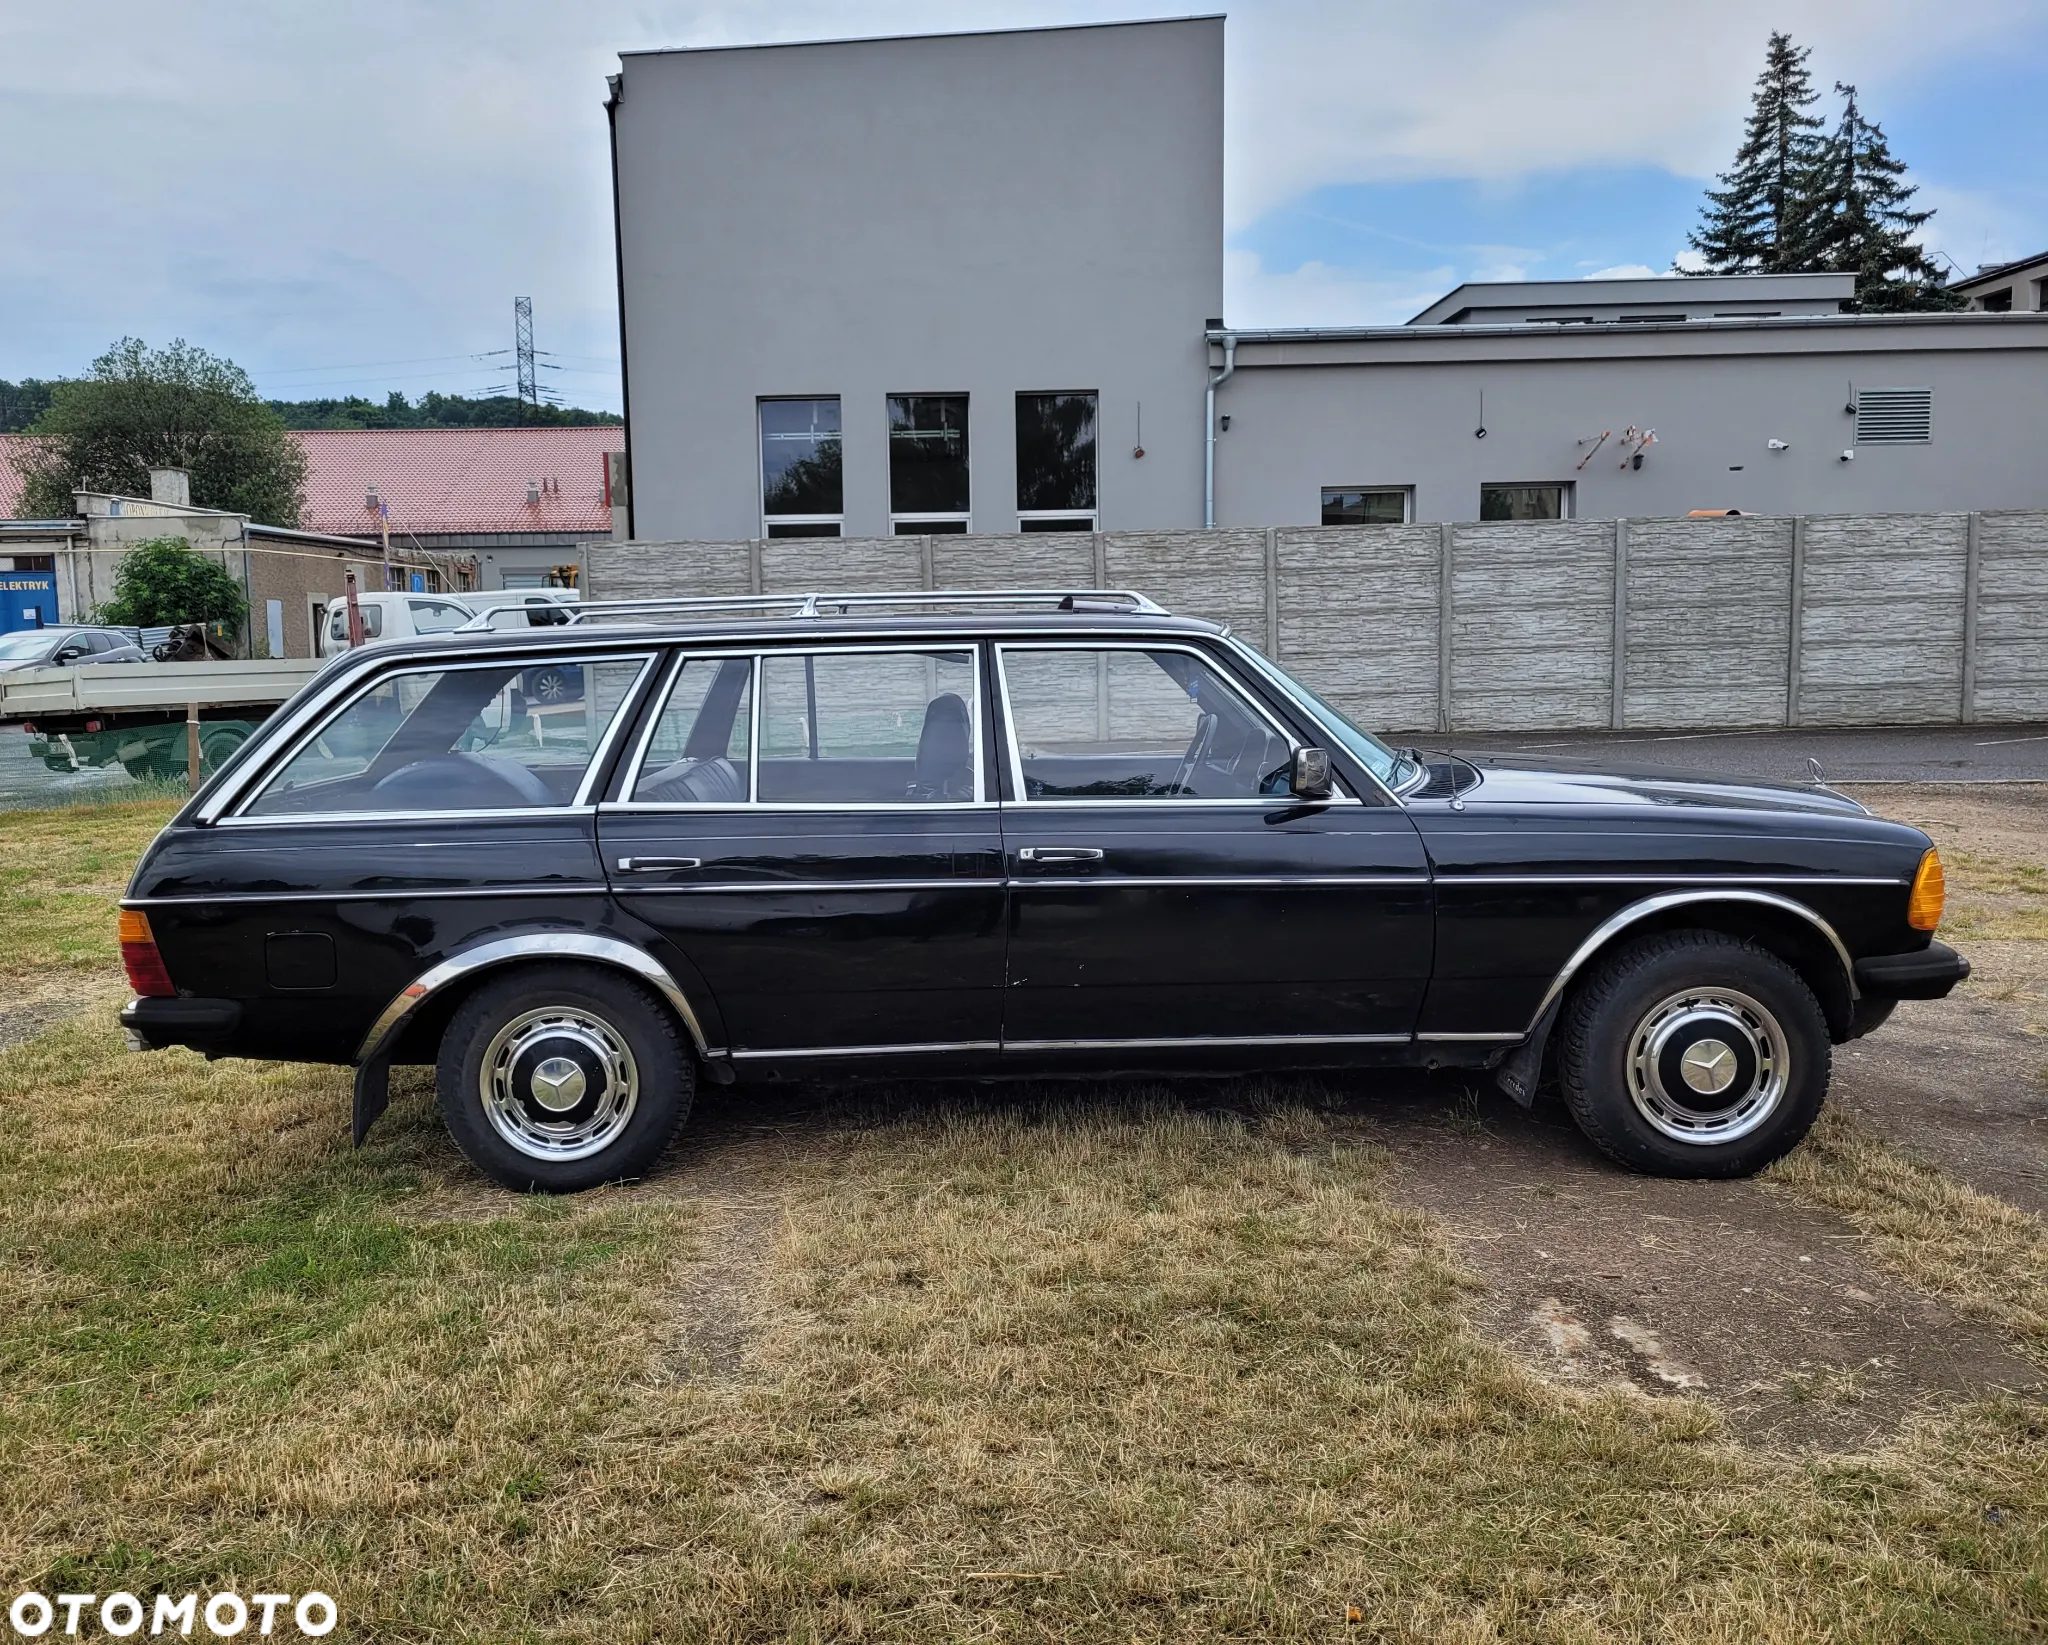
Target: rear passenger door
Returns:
[[812, 828]]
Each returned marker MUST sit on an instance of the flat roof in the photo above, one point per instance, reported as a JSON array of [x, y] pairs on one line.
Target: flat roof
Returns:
[[936, 34], [1649, 289]]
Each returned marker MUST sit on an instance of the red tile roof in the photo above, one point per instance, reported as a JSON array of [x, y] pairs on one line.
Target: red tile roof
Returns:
[[436, 481], [445, 480]]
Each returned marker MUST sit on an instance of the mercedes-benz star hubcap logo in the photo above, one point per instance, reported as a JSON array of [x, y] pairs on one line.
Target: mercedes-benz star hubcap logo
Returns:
[[558, 1085], [1708, 1066]]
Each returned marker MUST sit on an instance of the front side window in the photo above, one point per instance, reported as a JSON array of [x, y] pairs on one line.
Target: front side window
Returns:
[[928, 488], [1524, 502], [1130, 723], [1056, 462], [337, 621], [802, 494], [1348, 505], [436, 616], [698, 752], [449, 739]]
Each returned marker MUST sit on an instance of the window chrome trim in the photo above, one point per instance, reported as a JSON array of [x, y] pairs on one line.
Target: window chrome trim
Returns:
[[538, 945], [1261, 802], [385, 818], [1619, 922], [309, 726], [595, 888], [818, 646]]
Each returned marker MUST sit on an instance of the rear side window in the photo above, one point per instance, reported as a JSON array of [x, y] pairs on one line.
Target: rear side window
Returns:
[[337, 622], [451, 739]]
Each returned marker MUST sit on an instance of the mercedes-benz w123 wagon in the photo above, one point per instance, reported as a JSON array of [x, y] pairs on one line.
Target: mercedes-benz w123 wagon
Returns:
[[983, 835]]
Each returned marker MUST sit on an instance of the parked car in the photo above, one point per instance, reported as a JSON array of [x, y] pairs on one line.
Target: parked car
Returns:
[[67, 648], [990, 835]]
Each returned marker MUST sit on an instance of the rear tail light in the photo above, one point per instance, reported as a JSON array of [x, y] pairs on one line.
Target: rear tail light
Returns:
[[1923, 907], [139, 956]]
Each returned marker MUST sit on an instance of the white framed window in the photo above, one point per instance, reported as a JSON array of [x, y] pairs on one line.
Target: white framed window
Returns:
[[1368, 505], [1056, 481], [929, 484], [803, 491]]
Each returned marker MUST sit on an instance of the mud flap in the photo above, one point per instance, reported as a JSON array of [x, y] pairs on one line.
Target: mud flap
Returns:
[[1523, 1067], [373, 1094]]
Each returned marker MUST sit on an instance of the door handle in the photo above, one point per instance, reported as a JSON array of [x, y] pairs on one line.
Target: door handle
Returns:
[[1059, 853], [650, 865]]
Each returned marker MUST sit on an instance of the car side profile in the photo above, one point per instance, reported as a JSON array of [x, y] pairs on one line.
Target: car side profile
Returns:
[[982, 835], [67, 648]]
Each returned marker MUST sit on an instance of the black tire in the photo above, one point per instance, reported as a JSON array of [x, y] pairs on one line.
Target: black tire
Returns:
[[539, 1129], [1645, 1038]]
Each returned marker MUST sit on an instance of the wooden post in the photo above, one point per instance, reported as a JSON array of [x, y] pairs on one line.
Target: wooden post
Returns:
[[192, 772], [1972, 574], [355, 609]]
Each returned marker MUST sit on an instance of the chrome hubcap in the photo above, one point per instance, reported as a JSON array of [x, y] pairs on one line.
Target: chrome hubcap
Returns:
[[1708, 1066], [559, 1083]]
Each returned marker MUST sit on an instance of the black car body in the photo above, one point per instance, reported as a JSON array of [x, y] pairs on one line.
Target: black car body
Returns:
[[979, 835]]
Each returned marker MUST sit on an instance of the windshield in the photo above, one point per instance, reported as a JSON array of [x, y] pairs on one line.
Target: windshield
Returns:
[[13, 647], [1393, 769]]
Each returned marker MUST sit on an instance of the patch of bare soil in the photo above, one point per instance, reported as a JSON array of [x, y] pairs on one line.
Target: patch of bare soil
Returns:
[[27, 1012], [1728, 1291]]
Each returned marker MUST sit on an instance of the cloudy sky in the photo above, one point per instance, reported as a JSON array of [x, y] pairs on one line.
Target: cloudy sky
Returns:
[[345, 197]]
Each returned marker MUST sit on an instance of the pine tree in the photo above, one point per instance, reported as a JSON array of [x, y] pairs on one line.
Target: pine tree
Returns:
[[1748, 221], [1859, 219]]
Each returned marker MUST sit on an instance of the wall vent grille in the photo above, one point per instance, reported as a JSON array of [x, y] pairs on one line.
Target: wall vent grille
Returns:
[[1894, 416]]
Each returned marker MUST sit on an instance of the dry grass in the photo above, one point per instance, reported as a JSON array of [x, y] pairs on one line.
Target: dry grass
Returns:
[[1019, 1369], [61, 872]]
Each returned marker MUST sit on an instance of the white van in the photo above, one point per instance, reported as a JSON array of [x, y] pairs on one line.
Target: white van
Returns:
[[392, 616], [399, 616]]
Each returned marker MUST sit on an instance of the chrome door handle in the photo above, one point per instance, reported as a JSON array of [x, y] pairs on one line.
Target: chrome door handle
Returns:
[[1059, 853], [649, 865]]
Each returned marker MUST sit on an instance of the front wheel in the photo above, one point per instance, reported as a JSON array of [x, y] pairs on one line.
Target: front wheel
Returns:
[[1694, 1054], [562, 1077]]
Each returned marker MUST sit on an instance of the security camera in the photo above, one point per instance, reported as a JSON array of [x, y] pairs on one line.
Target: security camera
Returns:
[[1479, 434], [1848, 456], [1776, 445]]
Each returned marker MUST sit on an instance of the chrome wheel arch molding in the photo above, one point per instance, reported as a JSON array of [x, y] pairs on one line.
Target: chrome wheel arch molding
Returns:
[[537, 945], [1620, 921]]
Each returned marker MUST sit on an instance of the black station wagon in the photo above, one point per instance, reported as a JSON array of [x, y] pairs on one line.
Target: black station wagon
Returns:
[[983, 835]]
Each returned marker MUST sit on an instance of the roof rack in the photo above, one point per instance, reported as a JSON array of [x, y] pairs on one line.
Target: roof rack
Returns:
[[1127, 601]]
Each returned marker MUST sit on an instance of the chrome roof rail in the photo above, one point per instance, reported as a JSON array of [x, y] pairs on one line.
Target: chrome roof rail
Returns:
[[814, 604]]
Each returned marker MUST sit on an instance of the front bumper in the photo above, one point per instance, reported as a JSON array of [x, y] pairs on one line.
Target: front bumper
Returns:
[[154, 1021], [1925, 974]]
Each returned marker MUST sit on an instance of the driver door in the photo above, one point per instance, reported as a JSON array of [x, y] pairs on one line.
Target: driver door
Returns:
[[1165, 887]]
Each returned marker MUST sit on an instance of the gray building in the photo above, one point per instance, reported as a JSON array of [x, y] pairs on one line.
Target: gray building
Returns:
[[2017, 287], [925, 284], [971, 283]]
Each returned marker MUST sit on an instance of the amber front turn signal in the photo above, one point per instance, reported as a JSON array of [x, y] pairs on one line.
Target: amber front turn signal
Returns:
[[1923, 907], [139, 956]]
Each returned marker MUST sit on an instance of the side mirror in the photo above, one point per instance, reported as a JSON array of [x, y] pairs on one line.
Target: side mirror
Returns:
[[70, 654], [1308, 774]]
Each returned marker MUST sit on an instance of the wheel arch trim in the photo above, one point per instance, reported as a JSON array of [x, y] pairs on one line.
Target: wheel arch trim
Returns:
[[538, 945], [1618, 922]]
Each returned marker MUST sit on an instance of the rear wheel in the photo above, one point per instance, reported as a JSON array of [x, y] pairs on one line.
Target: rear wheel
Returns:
[[1694, 1054], [562, 1077]]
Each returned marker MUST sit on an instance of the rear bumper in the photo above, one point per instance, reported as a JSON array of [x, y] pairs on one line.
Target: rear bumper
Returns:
[[1925, 974], [152, 1022]]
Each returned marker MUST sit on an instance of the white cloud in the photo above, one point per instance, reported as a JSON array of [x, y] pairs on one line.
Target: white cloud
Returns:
[[1626, 271], [1316, 294]]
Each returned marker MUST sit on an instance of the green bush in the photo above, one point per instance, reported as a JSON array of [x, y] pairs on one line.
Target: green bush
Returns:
[[166, 581]]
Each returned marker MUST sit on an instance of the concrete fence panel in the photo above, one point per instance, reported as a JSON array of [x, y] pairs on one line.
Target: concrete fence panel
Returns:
[[1881, 619], [2009, 668], [1555, 624], [1707, 616], [1357, 618], [1532, 625]]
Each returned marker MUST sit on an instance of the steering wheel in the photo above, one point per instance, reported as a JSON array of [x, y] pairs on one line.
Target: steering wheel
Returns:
[[1205, 730]]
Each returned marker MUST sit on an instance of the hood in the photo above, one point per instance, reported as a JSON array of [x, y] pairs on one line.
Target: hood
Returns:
[[1539, 779]]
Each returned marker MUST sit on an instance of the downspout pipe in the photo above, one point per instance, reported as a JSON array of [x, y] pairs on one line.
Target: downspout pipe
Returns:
[[1228, 339], [615, 92]]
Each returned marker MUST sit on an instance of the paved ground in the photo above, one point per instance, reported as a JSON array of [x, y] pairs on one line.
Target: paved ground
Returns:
[[1909, 754]]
